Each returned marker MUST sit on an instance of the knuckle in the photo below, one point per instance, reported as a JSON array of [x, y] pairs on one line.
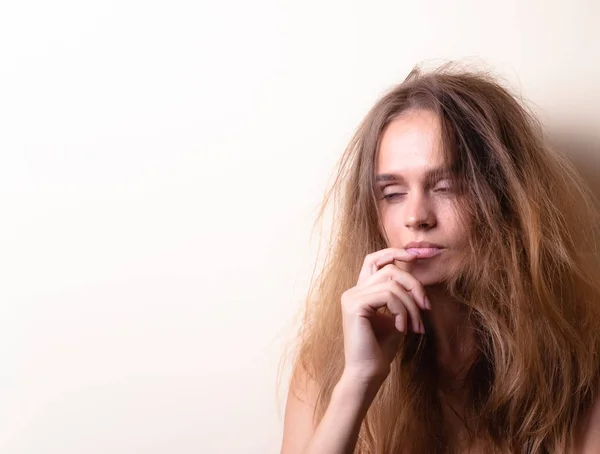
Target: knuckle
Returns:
[[405, 276], [395, 286], [417, 284]]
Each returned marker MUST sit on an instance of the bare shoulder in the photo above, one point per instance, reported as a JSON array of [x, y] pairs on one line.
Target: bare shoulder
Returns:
[[588, 441], [299, 425]]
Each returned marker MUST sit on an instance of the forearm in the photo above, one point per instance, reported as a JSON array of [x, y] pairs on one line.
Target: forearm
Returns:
[[338, 430]]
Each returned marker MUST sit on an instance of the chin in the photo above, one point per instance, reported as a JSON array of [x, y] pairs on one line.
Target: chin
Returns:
[[428, 280], [427, 275]]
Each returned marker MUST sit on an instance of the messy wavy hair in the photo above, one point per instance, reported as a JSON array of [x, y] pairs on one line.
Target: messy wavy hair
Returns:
[[529, 278]]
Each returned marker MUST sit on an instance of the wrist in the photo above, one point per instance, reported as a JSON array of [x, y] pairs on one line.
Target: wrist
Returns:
[[356, 386]]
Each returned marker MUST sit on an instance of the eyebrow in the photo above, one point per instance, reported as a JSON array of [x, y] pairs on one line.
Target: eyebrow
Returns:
[[430, 175]]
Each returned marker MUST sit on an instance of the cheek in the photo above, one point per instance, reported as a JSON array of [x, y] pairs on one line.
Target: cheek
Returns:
[[457, 232], [393, 229], [450, 223]]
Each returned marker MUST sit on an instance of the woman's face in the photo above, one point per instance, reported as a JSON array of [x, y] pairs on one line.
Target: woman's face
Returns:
[[416, 196]]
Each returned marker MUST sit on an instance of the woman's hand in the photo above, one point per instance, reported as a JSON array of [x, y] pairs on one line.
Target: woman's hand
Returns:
[[371, 337]]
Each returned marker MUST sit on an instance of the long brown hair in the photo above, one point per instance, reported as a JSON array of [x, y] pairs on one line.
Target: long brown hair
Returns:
[[530, 277]]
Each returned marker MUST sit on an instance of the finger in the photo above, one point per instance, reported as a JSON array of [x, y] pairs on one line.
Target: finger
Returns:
[[407, 280], [396, 254], [377, 259], [400, 323], [395, 306], [410, 306], [397, 300]]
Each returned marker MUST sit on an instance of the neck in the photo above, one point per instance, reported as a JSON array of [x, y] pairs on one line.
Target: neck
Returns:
[[454, 335]]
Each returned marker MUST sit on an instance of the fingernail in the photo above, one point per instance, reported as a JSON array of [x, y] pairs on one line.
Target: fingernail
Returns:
[[412, 251], [427, 303]]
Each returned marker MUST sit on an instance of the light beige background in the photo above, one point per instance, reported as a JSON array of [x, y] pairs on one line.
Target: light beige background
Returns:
[[160, 168]]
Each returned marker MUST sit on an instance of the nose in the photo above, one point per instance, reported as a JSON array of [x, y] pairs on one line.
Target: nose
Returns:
[[419, 212]]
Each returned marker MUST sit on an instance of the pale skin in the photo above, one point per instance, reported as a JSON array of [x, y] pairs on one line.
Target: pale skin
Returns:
[[417, 203]]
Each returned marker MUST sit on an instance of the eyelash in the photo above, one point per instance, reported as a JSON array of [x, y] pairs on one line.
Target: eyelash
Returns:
[[393, 194]]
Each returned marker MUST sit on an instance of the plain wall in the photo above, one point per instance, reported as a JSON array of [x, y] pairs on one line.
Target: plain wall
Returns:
[[160, 168]]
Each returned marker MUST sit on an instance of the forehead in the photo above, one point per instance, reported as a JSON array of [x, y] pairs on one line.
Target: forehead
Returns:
[[410, 143]]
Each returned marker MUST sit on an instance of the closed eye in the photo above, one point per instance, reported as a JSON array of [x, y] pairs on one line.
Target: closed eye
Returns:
[[445, 186], [393, 195]]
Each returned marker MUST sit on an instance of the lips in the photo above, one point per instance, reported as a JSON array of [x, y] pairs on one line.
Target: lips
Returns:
[[423, 249]]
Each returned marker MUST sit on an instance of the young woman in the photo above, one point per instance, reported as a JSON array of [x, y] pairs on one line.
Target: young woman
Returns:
[[459, 306]]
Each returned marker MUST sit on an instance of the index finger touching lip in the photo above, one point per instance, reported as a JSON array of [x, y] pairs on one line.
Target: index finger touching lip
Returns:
[[395, 254], [380, 258]]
